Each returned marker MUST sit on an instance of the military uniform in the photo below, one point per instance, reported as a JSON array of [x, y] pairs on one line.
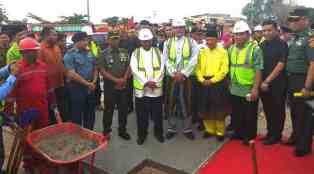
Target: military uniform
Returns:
[[300, 54], [115, 61]]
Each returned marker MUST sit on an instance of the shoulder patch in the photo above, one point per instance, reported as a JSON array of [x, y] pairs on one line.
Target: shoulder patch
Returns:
[[311, 41]]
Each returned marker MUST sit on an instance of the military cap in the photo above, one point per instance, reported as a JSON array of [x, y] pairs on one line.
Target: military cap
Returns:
[[114, 34], [298, 13]]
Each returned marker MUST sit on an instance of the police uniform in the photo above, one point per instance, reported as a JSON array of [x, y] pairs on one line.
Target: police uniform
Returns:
[[115, 61], [300, 56], [82, 99]]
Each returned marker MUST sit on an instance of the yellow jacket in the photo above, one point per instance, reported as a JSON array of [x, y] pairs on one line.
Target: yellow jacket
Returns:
[[212, 63]]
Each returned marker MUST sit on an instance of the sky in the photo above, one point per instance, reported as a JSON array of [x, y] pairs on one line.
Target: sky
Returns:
[[140, 9]]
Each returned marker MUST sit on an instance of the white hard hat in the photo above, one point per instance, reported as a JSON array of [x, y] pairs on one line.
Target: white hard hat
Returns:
[[240, 27], [178, 23], [258, 28], [88, 30], [145, 34]]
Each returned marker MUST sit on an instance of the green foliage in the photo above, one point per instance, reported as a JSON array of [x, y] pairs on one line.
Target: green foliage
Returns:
[[3, 14], [115, 20], [257, 11], [75, 19]]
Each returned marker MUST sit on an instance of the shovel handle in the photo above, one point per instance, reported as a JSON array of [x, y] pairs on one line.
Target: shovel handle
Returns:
[[300, 94]]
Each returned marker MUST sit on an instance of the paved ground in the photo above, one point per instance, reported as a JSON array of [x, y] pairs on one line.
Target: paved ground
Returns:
[[181, 153], [121, 156]]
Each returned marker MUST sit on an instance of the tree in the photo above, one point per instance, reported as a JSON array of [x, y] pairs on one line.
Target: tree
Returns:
[[115, 20], [3, 14], [257, 11], [37, 18], [75, 19]]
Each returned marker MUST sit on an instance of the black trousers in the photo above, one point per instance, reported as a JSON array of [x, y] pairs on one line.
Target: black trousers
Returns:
[[194, 100], [144, 107], [274, 105], [113, 97], [300, 114], [244, 115]]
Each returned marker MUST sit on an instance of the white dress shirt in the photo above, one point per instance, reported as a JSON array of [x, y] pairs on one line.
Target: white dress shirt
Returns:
[[148, 64], [187, 71]]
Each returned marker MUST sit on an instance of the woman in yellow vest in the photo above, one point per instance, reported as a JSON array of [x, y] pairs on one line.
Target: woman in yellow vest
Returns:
[[211, 70]]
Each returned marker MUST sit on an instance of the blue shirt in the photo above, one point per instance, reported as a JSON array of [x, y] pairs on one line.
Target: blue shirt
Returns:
[[82, 63], [7, 86]]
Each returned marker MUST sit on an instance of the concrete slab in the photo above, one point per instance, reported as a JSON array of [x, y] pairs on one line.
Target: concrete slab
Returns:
[[180, 153]]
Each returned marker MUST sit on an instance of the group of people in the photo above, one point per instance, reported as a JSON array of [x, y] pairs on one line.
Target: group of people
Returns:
[[183, 78]]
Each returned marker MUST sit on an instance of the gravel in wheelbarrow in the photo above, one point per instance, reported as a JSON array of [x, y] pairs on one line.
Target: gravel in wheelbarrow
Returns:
[[65, 143]]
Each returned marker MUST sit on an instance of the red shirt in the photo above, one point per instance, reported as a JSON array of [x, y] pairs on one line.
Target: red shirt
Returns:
[[31, 90]]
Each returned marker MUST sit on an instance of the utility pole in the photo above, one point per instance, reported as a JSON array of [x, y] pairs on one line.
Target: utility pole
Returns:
[[88, 14]]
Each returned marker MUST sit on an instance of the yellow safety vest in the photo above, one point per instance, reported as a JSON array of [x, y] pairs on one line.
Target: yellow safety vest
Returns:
[[241, 64], [156, 63], [94, 49], [186, 50]]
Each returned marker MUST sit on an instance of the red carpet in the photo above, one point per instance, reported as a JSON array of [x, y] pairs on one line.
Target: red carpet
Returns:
[[235, 158]]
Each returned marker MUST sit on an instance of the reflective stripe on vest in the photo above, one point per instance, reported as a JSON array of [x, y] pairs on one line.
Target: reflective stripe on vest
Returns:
[[186, 50], [241, 67], [156, 63]]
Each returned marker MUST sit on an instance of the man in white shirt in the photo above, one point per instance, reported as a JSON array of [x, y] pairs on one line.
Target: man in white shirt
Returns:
[[180, 53], [148, 68]]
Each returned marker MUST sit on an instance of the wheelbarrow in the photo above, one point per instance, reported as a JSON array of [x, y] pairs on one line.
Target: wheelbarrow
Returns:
[[69, 129]]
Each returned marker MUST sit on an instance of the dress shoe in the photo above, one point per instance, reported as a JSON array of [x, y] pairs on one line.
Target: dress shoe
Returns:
[[201, 127], [206, 135], [170, 135], [189, 135], [141, 140], [124, 135], [220, 138], [271, 141], [159, 138], [246, 141], [290, 142], [301, 153], [229, 128], [235, 136]]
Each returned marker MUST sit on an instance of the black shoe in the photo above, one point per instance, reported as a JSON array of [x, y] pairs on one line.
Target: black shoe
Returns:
[[141, 140], [125, 135], [290, 142], [206, 135], [201, 127], [161, 138], [229, 128], [301, 153], [189, 135], [170, 135], [235, 136], [220, 138], [246, 141], [271, 141]]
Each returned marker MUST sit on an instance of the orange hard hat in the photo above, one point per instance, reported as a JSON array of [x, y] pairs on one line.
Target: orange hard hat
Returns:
[[29, 44]]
